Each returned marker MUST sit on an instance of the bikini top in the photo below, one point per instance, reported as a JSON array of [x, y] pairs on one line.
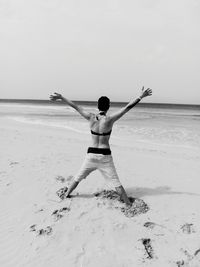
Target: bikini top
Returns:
[[101, 134]]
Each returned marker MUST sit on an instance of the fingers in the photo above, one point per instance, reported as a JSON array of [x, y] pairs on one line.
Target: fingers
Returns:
[[52, 98], [55, 96], [147, 92]]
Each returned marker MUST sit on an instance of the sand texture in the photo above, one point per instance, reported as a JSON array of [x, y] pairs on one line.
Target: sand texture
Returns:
[[93, 228]]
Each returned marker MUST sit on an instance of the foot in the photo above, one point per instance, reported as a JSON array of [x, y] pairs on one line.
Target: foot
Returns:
[[123, 196], [71, 188], [132, 199], [128, 203], [68, 196]]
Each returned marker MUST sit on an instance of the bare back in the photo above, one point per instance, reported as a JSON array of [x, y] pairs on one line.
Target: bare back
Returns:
[[100, 124]]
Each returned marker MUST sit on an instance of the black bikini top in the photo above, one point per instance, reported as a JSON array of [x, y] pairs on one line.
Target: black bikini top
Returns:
[[101, 134]]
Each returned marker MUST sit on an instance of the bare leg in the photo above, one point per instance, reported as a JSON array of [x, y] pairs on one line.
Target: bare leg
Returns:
[[72, 186], [120, 190]]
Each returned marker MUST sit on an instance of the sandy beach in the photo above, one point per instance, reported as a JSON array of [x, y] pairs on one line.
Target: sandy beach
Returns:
[[37, 228]]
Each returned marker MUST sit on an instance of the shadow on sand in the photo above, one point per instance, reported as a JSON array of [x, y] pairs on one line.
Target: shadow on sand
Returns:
[[139, 192], [136, 192]]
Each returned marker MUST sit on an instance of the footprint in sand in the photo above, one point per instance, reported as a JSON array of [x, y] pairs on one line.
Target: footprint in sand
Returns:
[[148, 247], [46, 231], [157, 229], [62, 179], [149, 225], [188, 228], [61, 192], [197, 252], [58, 214], [42, 231], [33, 228], [138, 205], [180, 263], [13, 163]]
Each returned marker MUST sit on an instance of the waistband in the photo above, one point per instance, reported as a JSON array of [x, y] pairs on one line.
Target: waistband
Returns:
[[97, 150]]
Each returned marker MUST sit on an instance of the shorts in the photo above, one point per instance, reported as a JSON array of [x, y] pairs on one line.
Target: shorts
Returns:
[[103, 163]]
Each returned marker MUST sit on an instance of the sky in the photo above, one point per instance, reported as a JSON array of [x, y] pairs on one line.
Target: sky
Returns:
[[85, 49]]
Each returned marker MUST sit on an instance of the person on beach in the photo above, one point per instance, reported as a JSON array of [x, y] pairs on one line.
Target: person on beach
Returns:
[[99, 153]]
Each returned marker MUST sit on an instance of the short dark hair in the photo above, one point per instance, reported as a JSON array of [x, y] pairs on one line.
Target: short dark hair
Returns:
[[103, 103]]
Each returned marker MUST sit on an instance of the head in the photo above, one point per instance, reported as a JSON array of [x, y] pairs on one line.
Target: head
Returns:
[[103, 103]]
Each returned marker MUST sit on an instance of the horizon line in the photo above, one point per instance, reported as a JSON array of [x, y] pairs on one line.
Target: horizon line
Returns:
[[91, 101]]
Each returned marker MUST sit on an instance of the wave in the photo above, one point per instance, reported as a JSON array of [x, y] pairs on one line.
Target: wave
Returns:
[[127, 134]]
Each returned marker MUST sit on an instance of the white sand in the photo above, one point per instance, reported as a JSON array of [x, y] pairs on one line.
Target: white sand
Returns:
[[93, 232]]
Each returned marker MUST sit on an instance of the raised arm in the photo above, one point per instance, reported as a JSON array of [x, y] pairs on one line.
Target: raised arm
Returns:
[[81, 111], [117, 115]]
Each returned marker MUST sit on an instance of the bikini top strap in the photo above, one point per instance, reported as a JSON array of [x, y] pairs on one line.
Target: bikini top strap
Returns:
[[101, 134]]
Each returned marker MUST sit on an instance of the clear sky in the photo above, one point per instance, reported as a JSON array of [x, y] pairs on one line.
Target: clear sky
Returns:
[[88, 48]]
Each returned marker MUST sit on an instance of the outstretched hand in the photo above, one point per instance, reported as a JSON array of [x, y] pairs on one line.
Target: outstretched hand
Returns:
[[56, 97], [146, 92]]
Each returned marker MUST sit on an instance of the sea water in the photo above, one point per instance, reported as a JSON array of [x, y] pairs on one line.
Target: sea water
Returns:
[[166, 125]]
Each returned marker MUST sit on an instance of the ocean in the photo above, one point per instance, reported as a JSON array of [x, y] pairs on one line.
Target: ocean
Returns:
[[163, 124]]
